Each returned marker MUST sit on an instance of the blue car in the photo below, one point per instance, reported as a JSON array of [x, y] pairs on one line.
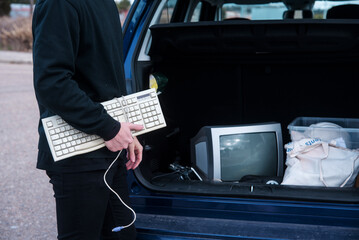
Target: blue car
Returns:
[[237, 79]]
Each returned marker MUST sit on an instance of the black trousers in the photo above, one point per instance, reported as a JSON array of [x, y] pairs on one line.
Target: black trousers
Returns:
[[87, 210]]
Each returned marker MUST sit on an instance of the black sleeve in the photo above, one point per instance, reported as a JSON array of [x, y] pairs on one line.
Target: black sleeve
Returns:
[[56, 31]]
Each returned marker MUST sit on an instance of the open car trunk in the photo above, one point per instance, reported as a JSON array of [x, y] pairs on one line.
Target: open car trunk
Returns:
[[240, 72]]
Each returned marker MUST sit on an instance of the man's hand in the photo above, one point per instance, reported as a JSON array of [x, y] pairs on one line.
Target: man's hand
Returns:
[[123, 138], [134, 154]]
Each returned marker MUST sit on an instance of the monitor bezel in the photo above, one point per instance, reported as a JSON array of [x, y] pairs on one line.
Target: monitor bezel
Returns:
[[218, 131]]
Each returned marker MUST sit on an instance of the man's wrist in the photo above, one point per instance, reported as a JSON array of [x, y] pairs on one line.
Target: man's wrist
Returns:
[[111, 131]]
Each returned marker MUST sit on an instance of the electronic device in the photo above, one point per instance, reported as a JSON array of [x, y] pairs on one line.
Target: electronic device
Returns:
[[138, 108], [228, 153], [186, 173]]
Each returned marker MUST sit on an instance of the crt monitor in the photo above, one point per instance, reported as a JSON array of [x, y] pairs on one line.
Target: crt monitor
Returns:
[[228, 153]]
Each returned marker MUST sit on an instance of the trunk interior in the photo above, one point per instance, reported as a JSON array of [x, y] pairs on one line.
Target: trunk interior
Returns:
[[228, 73]]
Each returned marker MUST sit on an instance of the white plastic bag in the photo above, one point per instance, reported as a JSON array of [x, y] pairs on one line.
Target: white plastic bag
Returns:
[[313, 162]]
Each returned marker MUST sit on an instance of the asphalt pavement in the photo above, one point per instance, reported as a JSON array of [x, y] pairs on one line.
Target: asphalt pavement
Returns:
[[27, 206]]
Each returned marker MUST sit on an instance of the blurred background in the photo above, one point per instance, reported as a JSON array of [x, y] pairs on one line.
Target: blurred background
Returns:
[[15, 23]]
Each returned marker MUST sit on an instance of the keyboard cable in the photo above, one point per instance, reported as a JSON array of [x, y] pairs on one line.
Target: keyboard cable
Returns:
[[117, 229]]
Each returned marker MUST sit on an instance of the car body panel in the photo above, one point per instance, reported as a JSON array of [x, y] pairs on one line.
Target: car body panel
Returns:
[[154, 226], [174, 215], [133, 27], [171, 216]]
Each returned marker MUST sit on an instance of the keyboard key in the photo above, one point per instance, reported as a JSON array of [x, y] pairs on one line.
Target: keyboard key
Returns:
[[150, 125], [49, 124], [57, 142], [55, 137]]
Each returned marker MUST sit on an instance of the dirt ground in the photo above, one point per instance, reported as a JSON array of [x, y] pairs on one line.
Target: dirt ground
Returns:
[[27, 206]]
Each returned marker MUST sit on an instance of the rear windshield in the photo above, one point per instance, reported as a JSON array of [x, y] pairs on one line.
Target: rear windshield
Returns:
[[253, 11], [277, 10]]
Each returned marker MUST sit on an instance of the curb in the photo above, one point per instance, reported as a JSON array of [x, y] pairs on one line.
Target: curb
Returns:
[[15, 57]]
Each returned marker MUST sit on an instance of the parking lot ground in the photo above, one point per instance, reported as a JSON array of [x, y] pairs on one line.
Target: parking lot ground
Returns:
[[27, 207]]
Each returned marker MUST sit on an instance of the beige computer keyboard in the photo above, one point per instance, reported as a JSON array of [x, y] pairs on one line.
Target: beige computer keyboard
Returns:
[[139, 108]]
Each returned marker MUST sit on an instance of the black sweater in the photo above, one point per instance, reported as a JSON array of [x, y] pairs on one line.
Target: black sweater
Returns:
[[78, 63]]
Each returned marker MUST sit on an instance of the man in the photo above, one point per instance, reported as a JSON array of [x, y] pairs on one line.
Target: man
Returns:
[[78, 63]]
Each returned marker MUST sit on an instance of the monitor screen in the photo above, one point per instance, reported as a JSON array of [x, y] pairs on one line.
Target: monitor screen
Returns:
[[228, 153], [248, 154]]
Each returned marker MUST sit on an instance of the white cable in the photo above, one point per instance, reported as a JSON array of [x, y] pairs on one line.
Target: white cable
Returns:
[[117, 229]]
